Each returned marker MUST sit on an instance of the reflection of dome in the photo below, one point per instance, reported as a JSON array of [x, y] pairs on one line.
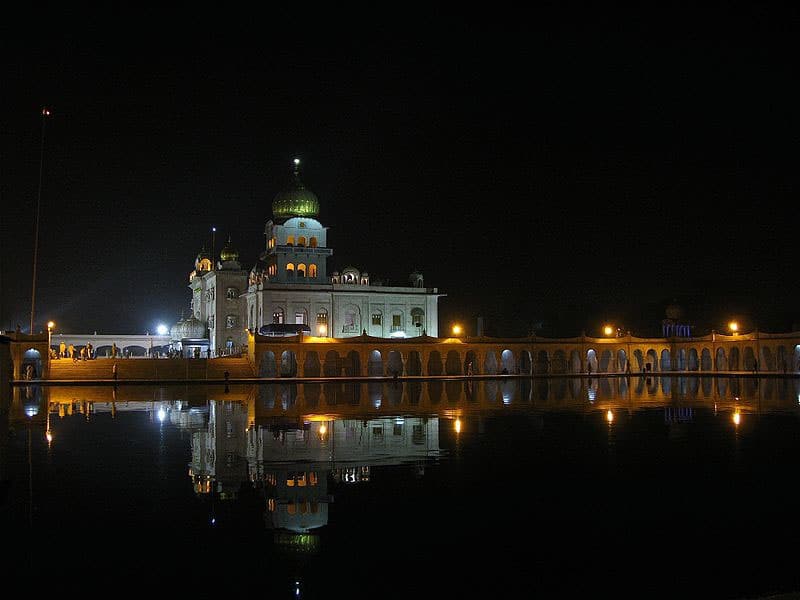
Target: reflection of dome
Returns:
[[229, 252], [295, 200], [674, 312]]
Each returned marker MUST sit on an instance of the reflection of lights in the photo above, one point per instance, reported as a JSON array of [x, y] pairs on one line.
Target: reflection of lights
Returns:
[[506, 398], [162, 414], [457, 425], [31, 410], [162, 329], [49, 436], [737, 417], [610, 416], [323, 429]]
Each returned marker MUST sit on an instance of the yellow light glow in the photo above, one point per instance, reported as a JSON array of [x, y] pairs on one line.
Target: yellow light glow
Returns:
[[323, 429], [608, 330], [733, 326], [457, 425], [49, 437], [457, 329], [737, 417], [322, 329], [51, 324], [610, 416]]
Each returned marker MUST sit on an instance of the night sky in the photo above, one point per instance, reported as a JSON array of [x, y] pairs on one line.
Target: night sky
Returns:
[[546, 171]]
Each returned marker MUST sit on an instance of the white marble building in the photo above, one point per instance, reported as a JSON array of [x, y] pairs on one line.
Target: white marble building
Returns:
[[289, 288]]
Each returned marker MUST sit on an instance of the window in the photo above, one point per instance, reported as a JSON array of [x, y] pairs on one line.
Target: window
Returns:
[[312, 270], [376, 318], [230, 321], [300, 318], [417, 317], [290, 240], [301, 241], [350, 321], [322, 317], [312, 242], [232, 293], [289, 268], [301, 270], [397, 322], [277, 316], [397, 429]]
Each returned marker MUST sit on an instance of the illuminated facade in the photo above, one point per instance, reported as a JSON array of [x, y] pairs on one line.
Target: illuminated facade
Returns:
[[290, 286]]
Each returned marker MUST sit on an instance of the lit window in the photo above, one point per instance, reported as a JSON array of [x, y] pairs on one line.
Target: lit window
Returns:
[[301, 241], [312, 242], [277, 316], [301, 270], [376, 319], [312, 270], [290, 240], [289, 268]]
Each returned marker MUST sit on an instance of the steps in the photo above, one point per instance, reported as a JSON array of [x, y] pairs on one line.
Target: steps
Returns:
[[150, 369]]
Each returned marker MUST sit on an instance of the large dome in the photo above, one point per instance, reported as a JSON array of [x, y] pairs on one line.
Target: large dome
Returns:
[[190, 327], [295, 200]]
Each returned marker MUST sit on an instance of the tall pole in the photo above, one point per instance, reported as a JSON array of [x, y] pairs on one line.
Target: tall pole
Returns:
[[213, 242], [45, 114]]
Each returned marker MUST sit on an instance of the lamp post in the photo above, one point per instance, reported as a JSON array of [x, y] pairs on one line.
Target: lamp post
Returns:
[[50, 326], [45, 114]]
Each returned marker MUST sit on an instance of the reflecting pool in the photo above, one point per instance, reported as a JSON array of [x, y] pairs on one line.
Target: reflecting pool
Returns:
[[636, 487]]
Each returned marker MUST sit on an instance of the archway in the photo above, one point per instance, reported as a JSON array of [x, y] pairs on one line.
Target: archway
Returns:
[[559, 363], [352, 364], [266, 366], [435, 363], [693, 362], [622, 361], [525, 363], [508, 364], [749, 359], [604, 363], [471, 363], [542, 364], [394, 363], [490, 363], [452, 363], [375, 364], [331, 367], [639, 358], [31, 367], [721, 361], [734, 359], [666, 360], [288, 364], [706, 363], [312, 367], [591, 361], [575, 362], [651, 361], [414, 363]]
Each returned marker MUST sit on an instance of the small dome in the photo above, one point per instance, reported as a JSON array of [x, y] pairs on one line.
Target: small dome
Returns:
[[176, 331], [194, 328], [202, 257], [295, 200], [229, 253], [674, 312]]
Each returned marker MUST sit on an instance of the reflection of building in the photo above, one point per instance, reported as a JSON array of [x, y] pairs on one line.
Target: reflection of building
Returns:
[[218, 454], [289, 284]]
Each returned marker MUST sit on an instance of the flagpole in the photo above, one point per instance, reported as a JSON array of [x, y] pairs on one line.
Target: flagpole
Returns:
[[45, 114]]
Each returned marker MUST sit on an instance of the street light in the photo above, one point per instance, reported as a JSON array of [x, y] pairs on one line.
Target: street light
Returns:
[[457, 329], [734, 327], [608, 330], [50, 326]]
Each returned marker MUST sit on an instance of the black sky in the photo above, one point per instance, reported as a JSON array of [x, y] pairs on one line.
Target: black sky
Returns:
[[548, 170]]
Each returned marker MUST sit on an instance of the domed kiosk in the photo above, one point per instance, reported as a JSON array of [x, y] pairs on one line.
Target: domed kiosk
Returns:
[[188, 338]]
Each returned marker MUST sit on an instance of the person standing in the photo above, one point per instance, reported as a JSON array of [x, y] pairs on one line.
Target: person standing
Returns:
[[114, 350], [62, 350]]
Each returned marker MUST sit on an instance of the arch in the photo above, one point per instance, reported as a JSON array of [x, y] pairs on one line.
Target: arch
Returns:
[[768, 359], [31, 367], [796, 358], [734, 359], [300, 316], [490, 363], [666, 360], [418, 319], [397, 322], [311, 365], [507, 363], [134, 351], [288, 364], [322, 323], [290, 240], [471, 366], [266, 366], [721, 362], [452, 363], [638, 359], [749, 359], [435, 363], [414, 363], [525, 362], [301, 241], [604, 364], [622, 361], [693, 363], [278, 315], [375, 364], [591, 361], [559, 362], [376, 323], [312, 271], [352, 364], [542, 362], [301, 270], [312, 242], [290, 268], [651, 361], [394, 363], [783, 363], [680, 360], [331, 367], [576, 366], [706, 364]]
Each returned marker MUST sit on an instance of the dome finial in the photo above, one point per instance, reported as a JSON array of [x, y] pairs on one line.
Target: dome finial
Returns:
[[296, 163]]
